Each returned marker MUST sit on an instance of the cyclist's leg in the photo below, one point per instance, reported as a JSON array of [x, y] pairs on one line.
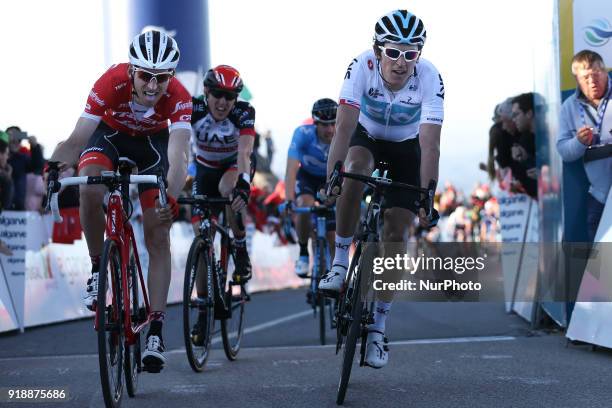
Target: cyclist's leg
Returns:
[[303, 227], [243, 261], [206, 183], [399, 213], [99, 155], [150, 155], [360, 160]]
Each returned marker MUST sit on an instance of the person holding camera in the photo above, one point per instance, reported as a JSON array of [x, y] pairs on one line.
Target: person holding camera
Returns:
[[586, 123]]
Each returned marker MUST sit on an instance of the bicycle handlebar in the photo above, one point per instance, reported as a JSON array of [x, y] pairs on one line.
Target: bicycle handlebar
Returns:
[[107, 179], [378, 183], [206, 201]]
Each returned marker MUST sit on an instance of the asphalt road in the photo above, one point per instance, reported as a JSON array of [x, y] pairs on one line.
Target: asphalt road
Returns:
[[442, 355]]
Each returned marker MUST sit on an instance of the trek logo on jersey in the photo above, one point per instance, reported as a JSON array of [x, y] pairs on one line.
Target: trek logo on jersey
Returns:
[[181, 106], [96, 98], [370, 64], [349, 69], [374, 93], [441, 92], [121, 85]]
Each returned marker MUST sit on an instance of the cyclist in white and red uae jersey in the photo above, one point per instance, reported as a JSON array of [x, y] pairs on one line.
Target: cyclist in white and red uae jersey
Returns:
[[127, 115], [222, 142], [391, 110]]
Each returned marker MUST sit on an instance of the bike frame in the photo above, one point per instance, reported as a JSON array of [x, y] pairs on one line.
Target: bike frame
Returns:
[[120, 230]]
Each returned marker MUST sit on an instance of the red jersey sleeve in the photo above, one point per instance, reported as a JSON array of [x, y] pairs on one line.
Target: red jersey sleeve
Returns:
[[100, 96], [180, 106]]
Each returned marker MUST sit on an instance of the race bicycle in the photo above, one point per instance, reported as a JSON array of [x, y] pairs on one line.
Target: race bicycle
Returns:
[[354, 315], [120, 313], [211, 289], [321, 306]]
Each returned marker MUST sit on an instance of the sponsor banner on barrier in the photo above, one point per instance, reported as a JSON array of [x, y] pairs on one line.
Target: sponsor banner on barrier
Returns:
[[55, 275], [519, 221], [590, 320], [13, 231]]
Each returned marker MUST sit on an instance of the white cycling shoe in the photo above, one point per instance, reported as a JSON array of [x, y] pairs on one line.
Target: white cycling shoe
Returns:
[[153, 357], [377, 351], [301, 267], [332, 282], [91, 293]]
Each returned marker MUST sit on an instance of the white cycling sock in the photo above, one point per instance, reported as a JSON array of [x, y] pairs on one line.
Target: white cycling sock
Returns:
[[342, 250], [380, 315]]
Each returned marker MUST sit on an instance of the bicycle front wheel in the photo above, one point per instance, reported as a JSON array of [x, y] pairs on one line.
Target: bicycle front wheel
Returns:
[[198, 311], [354, 309], [133, 351], [111, 339], [232, 325], [321, 300]]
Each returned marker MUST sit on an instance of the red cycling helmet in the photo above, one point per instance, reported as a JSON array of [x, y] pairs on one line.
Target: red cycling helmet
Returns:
[[224, 78]]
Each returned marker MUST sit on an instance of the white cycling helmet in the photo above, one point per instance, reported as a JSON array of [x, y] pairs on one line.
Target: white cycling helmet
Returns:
[[400, 27], [154, 50]]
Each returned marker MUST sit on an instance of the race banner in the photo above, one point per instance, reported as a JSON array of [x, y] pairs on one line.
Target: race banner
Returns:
[[13, 232]]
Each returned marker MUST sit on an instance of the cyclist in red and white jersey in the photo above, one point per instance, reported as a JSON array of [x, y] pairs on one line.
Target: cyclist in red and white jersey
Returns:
[[222, 141], [140, 111], [391, 109]]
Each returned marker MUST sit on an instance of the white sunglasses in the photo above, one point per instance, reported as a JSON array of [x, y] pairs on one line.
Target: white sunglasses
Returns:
[[394, 53]]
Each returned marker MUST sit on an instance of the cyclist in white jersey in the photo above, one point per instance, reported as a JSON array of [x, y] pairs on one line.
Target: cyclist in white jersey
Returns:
[[391, 109]]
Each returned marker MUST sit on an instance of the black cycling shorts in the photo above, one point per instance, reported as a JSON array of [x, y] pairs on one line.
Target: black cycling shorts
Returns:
[[404, 165], [150, 153]]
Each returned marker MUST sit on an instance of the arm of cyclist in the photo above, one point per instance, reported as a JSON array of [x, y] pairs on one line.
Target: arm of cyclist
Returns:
[[67, 153], [242, 189], [293, 166], [429, 141], [346, 123], [178, 156]]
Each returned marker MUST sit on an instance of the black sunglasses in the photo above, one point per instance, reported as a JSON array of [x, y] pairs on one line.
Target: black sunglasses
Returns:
[[228, 96]]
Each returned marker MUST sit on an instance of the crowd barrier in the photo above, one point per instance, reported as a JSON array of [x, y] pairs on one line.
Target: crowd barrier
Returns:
[[590, 321], [43, 282], [519, 223]]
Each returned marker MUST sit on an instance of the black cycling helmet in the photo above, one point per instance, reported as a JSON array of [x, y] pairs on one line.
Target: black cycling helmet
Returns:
[[324, 110]]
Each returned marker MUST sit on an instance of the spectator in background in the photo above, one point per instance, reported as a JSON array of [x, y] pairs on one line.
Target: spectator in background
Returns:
[[523, 152], [585, 122], [23, 161], [502, 135], [6, 173]]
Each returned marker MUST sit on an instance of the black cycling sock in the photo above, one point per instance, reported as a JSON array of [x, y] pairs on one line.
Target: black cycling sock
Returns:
[[155, 328], [95, 262], [303, 249]]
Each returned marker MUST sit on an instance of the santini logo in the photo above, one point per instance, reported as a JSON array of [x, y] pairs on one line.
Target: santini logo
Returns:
[[598, 32]]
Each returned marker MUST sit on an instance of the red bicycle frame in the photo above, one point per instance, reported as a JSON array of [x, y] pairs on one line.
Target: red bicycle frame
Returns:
[[120, 230]]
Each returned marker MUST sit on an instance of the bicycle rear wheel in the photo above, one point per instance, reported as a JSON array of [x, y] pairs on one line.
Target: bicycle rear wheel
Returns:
[[109, 311], [354, 309], [132, 363], [198, 311], [232, 326], [321, 300]]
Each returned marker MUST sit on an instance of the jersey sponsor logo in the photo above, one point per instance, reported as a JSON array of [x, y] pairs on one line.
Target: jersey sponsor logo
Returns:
[[248, 123], [374, 93], [408, 101], [432, 119], [121, 85], [350, 103], [370, 64], [93, 95], [215, 138], [181, 106], [185, 118], [441, 91], [123, 105], [348, 70], [198, 107]]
